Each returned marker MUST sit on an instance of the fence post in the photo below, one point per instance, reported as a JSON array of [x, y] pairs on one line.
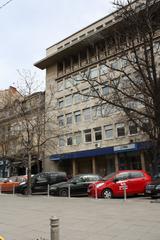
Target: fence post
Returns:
[[96, 194], [54, 224], [0, 189], [125, 191], [13, 190], [48, 190]]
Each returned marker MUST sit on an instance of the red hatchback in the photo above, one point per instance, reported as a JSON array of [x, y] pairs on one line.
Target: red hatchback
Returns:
[[112, 185]]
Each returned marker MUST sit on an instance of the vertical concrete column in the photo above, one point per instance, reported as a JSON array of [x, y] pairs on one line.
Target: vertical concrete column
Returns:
[[54, 224], [116, 162], [74, 167], [93, 165], [142, 160]]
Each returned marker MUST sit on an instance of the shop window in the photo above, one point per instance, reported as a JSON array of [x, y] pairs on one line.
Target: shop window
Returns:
[[120, 128], [77, 116], [98, 133], [108, 131], [87, 135], [68, 100], [69, 118]]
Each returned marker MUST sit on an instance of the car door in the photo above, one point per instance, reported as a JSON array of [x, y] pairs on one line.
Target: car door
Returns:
[[119, 181], [136, 182], [77, 186], [40, 184]]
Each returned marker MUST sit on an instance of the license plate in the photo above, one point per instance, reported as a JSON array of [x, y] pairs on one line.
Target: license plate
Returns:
[[148, 191]]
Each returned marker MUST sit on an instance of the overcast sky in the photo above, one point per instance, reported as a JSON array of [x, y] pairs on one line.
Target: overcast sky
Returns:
[[28, 27]]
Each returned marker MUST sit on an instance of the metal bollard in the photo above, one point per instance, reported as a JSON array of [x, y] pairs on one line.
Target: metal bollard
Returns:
[[0, 190], [13, 190], [48, 190], [125, 191], [54, 224], [96, 194], [69, 191]]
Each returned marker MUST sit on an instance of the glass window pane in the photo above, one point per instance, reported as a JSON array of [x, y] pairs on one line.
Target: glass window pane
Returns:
[[68, 100]]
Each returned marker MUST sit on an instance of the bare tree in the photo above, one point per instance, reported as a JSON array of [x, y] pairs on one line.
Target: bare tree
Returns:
[[131, 83]]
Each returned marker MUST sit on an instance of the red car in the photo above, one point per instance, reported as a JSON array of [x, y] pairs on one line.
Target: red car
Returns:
[[113, 184]]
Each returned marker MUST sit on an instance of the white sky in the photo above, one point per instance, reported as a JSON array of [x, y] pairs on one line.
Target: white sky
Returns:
[[28, 27]]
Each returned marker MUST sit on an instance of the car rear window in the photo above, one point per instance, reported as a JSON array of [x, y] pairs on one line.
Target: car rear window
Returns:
[[136, 175]]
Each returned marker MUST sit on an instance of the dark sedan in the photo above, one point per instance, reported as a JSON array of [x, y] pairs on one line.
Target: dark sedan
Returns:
[[77, 186], [153, 189]]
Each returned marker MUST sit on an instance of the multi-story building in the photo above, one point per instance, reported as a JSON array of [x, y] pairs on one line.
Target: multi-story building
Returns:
[[19, 117], [88, 141]]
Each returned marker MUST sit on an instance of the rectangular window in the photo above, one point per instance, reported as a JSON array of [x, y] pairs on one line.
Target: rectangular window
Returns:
[[59, 85], [120, 128], [61, 141], [87, 114], [105, 89], [76, 79], [133, 129], [68, 100], [60, 103], [87, 135], [77, 116], [96, 112], [78, 138], [61, 120], [98, 133], [93, 73], [85, 94], [68, 82], [69, 118], [77, 98], [108, 131], [103, 69], [69, 140]]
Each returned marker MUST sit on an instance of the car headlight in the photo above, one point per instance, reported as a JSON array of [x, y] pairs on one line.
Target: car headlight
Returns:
[[157, 187], [99, 185]]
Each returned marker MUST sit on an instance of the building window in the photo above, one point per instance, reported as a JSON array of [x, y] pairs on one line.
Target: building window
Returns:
[[105, 89], [68, 100], [59, 85], [78, 138], [108, 131], [77, 116], [69, 140], [87, 135], [76, 79], [69, 118], [61, 120], [61, 141], [96, 112], [77, 98], [103, 69], [85, 94], [68, 82], [98, 133], [87, 114], [132, 129], [93, 73], [60, 103], [120, 128]]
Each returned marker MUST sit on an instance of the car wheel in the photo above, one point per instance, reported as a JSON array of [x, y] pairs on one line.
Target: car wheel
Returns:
[[107, 194], [63, 193]]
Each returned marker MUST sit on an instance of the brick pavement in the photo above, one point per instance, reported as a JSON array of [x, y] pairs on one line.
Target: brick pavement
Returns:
[[27, 218]]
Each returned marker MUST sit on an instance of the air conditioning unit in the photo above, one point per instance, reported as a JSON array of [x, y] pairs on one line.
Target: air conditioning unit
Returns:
[[97, 145]]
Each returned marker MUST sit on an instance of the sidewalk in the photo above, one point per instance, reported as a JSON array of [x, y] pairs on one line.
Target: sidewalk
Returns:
[[27, 218]]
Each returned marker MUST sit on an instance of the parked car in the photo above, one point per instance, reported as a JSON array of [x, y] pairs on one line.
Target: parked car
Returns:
[[113, 184], [40, 182], [153, 188], [9, 184], [77, 185]]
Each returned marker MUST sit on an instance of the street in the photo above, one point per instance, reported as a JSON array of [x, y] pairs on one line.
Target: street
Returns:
[[28, 218]]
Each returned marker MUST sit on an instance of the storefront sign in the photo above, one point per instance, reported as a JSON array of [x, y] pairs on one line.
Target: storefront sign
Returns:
[[125, 147]]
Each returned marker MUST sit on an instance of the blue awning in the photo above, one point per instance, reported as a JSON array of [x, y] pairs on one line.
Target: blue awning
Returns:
[[101, 151]]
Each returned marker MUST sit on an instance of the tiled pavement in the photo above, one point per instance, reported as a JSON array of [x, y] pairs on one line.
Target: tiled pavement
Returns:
[[27, 218]]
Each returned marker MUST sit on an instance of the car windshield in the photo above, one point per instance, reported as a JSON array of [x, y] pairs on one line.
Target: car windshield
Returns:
[[109, 176]]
